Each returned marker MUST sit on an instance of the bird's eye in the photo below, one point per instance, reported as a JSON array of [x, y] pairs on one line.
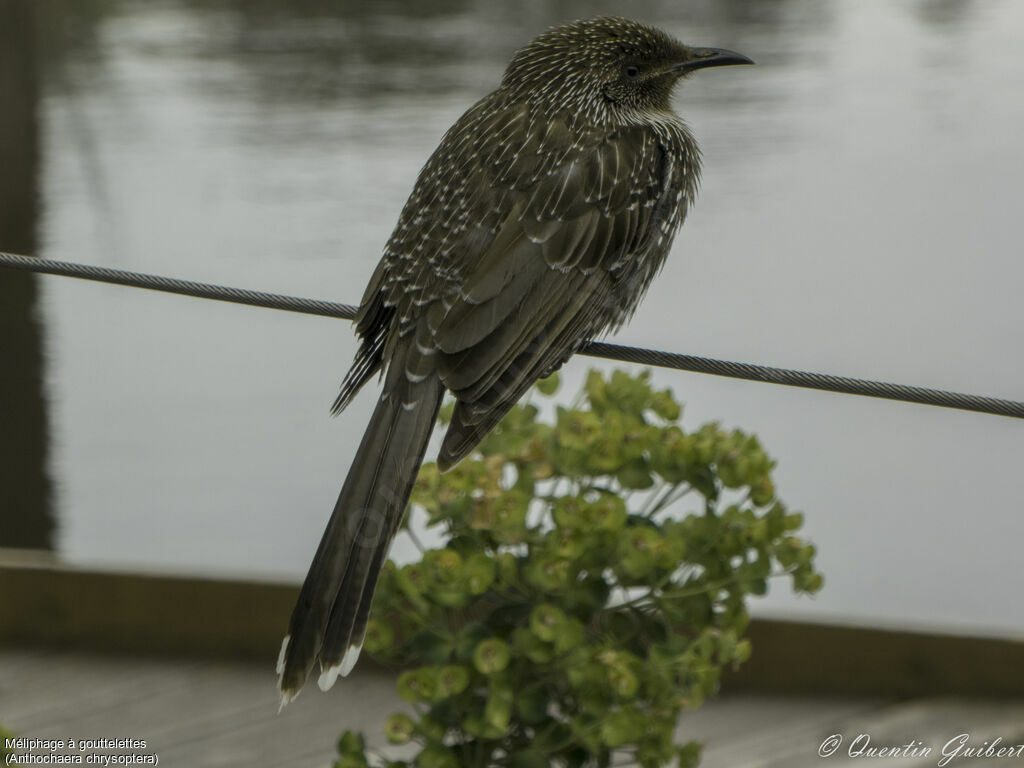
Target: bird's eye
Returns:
[[632, 71]]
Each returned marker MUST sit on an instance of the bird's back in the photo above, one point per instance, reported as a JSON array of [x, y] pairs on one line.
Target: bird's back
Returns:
[[516, 196], [506, 156]]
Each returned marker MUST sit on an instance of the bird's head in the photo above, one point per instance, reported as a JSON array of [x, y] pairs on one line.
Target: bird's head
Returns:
[[608, 68]]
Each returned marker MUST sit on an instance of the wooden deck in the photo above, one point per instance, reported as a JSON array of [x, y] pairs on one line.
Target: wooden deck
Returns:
[[186, 664], [220, 714]]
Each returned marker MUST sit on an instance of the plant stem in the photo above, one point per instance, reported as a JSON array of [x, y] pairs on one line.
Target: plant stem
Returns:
[[415, 539]]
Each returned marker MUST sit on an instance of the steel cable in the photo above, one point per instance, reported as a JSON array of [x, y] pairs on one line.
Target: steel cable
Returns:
[[639, 355]]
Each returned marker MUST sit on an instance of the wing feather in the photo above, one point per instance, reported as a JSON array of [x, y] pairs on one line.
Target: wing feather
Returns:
[[501, 282], [548, 281]]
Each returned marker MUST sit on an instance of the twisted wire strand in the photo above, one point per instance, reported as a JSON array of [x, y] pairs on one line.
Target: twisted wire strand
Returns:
[[181, 287], [639, 355]]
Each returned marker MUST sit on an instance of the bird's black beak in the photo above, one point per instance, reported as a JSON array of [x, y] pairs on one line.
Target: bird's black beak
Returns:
[[710, 57]]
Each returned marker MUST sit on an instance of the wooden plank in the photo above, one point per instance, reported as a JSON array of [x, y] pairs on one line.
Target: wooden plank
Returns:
[[224, 715], [205, 713], [742, 725], [305, 733], [43, 603], [109, 611], [67, 684], [916, 725], [797, 657]]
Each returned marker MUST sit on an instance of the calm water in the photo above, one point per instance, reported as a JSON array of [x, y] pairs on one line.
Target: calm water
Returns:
[[860, 215]]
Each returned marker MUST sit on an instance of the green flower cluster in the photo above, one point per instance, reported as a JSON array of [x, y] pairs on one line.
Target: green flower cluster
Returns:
[[591, 587]]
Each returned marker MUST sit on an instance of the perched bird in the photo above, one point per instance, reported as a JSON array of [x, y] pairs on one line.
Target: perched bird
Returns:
[[537, 224]]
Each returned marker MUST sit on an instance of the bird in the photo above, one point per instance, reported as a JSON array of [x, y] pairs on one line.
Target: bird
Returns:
[[538, 223]]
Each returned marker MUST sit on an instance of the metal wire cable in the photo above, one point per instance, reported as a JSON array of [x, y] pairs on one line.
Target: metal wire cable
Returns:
[[182, 287], [638, 355]]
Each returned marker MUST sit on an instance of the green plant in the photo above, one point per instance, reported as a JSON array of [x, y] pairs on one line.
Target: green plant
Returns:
[[5, 752], [570, 617]]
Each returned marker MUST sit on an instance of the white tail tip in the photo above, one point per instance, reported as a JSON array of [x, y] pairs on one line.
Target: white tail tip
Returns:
[[348, 661], [286, 698], [328, 677], [282, 654], [331, 674]]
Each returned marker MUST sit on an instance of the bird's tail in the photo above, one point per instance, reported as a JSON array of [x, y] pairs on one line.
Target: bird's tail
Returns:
[[329, 620]]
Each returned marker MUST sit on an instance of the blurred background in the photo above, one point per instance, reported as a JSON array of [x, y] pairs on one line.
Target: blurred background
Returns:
[[859, 216]]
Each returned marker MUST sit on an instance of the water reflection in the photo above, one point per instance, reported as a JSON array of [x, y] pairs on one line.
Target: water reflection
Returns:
[[946, 13], [25, 511]]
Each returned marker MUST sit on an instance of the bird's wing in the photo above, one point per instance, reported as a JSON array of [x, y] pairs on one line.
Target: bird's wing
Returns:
[[577, 218]]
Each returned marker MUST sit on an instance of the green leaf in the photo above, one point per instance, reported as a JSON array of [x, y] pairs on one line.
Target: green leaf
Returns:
[[468, 638], [418, 684], [587, 731], [549, 385], [413, 583], [508, 616], [507, 569], [491, 656], [623, 682], [568, 635], [688, 755], [587, 595], [742, 652], [532, 647], [637, 553], [351, 744], [444, 416], [630, 394], [431, 728], [530, 758], [762, 492], [546, 620], [437, 756], [428, 646], [635, 475], [476, 725], [399, 728], [807, 581], [532, 702], [379, 636], [478, 573], [451, 681], [665, 406], [596, 390], [500, 698], [625, 726], [549, 574]]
